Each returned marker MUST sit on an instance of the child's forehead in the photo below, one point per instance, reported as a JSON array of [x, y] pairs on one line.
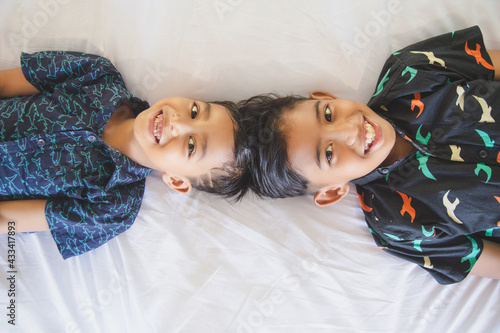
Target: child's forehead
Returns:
[[224, 107], [297, 112], [300, 105], [291, 113]]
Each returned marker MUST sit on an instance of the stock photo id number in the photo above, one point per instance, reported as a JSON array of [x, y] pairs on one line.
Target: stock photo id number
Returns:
[[11, 272]]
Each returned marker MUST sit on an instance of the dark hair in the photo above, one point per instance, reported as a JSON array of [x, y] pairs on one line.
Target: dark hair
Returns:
[[262, 151], [223, 180]]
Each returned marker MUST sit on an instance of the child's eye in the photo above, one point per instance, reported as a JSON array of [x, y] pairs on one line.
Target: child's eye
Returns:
[[190, 146], [194, 111], [328, 114], [329, 153]]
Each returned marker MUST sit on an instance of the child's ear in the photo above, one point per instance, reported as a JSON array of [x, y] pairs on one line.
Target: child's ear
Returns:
[[180, 184], [330, 194], [321, 95]]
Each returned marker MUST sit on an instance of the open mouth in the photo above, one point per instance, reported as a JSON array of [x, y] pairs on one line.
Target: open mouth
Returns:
[[158, 126], [369, 135]]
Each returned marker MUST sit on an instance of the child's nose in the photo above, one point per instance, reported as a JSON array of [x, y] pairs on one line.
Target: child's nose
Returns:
[[346, 131], [178, 125], [181, 125], [174, 129]]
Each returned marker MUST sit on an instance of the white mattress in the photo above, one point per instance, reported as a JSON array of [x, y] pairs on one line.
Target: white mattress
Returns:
[[197, 263]]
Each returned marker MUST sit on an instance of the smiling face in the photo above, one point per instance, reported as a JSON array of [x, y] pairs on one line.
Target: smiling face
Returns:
[[333, 141], [183, 138]]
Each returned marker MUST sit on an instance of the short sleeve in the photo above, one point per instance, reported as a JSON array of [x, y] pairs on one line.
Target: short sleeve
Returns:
[[449, 259], [456, 55], [81, 225], [70, 70]]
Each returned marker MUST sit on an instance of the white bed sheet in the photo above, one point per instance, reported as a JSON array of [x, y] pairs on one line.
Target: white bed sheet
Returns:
[[196, 263]]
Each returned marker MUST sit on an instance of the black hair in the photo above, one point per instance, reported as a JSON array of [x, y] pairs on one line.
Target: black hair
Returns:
[[223, 180], [262, 150]]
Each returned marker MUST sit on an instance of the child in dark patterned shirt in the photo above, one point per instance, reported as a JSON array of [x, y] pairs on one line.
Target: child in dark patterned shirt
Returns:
[[424, 154]]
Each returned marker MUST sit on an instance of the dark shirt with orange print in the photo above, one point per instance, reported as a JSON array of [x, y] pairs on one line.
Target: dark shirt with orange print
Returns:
[[436, 205]]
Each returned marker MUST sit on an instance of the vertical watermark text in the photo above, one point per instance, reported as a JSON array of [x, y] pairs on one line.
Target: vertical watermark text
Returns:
[[11, 272]]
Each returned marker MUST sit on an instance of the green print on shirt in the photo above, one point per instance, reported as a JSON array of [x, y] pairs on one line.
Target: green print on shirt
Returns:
[[486, 138], [421, 139], [422, 160], [472, 257], [412, 71], [483, 167], [489, 232], [380, 86], [384, 243], [416, 245], [428, 233]]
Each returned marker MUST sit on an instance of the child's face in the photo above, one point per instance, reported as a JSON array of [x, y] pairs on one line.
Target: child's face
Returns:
[[333, 141], [183, 138]]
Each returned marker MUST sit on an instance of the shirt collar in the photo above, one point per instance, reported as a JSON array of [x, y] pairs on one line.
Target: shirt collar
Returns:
[[386, 170], [374, 175], [126, 171], [107, 98]]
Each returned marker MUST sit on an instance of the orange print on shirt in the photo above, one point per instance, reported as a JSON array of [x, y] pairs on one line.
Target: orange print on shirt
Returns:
[[362, 202], [417, 103], [477, 54], [498, 199], [408, 138], [407, 208]]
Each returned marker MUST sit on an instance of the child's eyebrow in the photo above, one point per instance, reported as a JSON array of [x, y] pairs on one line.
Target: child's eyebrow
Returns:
[[203, 149], [318, 154], [318, 145], [207, 110], [318, 114], [204, 143]]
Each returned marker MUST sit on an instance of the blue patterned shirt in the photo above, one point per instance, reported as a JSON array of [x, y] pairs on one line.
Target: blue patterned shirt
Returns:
[[51, 148]]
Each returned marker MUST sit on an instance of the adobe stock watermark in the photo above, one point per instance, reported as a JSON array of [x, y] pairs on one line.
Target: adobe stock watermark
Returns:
[[187, 207], [290, 283], [278, 295], [154, 76], [88, 308], [223, 6], [48, 10], [372, 29]]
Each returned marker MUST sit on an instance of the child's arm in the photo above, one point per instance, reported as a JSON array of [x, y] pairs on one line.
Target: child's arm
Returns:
[[488, 264], [13, 84], [495, 58], [26, 215]]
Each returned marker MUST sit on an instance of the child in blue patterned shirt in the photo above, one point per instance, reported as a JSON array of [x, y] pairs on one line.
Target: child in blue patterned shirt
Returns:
[[76, 147]]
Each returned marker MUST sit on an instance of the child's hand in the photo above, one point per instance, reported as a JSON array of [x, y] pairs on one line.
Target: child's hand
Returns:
[[14, 84], [24, 215], [487, 264]]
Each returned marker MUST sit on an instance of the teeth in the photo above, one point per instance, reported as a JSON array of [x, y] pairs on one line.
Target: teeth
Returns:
[[370, 135], [155, 127]]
